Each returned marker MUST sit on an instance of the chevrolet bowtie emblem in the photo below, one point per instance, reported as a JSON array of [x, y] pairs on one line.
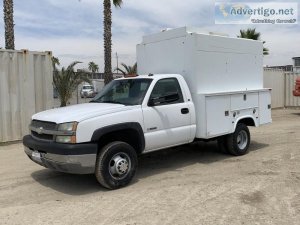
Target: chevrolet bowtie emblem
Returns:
[[40, 130]]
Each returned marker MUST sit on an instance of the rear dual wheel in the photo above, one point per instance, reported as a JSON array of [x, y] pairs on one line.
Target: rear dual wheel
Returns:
[[237, 143]]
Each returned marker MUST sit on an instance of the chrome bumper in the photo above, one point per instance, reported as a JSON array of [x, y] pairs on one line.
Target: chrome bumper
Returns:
[[75, 164]]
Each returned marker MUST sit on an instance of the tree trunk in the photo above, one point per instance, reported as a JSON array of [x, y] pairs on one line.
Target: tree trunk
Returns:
[[63, 103], [8, 9], [108, 76]]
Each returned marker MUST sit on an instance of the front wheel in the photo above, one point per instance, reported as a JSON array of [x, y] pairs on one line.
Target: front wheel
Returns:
[[238, 142], [116, 165]]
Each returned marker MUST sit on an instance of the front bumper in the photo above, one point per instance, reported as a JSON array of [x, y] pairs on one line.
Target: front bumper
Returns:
[[68, 158], [88, 94]]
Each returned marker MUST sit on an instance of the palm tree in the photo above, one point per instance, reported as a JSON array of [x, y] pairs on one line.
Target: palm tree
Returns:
[[55, 62], [252, 34], [128, 70], [66, 82], [8, 10], [108, 76], [93, 67]]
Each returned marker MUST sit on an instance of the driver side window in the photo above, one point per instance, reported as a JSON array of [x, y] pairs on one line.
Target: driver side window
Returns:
[[166, 88]]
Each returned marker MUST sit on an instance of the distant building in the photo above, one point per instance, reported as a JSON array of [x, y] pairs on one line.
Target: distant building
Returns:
[[98, 76], [296, 64], [288, 68]]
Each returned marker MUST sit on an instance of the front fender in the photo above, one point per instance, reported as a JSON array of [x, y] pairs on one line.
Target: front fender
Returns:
[[119, 127]]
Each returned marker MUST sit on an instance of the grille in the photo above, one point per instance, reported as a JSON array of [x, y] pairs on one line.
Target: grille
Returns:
[[42, 136], [45, 125]]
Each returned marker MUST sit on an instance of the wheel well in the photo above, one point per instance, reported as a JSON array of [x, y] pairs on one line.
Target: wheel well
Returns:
[[130, 136], [247, 121]]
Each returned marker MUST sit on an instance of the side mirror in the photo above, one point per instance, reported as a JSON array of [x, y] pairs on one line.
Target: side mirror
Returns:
[[163, 100], [154, 102]]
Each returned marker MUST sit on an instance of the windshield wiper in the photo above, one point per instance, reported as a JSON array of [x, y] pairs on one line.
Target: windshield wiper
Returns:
[[94, 101], [113, 102]]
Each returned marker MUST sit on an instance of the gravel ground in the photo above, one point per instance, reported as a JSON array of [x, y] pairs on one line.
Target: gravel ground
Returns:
[[188, 185]]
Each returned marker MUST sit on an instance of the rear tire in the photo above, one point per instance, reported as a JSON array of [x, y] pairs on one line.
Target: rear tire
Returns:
[[116, 165], [238, 142]]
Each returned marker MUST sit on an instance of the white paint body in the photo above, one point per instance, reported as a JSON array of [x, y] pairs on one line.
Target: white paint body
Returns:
[[219, 71], [221, 82]]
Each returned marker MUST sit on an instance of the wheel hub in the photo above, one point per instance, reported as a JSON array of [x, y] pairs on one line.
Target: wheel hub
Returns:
[[242, 139], [122, 166], [119, 165]]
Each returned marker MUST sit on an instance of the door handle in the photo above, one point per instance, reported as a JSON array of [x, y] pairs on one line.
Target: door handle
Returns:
[[185, 111]]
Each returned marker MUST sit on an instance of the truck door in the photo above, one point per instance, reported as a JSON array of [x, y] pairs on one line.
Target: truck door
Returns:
[[167, 117]]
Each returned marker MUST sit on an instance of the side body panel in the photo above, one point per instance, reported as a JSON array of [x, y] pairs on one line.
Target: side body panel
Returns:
[[265, 108], [223, 111]]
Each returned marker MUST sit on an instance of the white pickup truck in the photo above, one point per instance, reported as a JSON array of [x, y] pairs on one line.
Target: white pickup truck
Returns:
[[195, 87]]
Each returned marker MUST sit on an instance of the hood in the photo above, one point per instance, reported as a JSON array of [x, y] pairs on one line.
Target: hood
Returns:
[[79, 112]]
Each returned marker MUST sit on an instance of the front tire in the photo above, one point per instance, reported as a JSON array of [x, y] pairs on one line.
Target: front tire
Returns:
[[116, 165], [238, 142]]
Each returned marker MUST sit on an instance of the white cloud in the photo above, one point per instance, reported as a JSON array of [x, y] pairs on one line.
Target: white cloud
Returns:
[[72, 29]]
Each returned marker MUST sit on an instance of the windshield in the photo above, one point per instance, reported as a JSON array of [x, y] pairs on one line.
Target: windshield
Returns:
[[126, 92]]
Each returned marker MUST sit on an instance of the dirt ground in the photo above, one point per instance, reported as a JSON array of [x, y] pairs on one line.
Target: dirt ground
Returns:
[[187, 185]]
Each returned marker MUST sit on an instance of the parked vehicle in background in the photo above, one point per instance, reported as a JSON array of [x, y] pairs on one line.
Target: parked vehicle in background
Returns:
[[296, 92], [192, 88], [87, 91]]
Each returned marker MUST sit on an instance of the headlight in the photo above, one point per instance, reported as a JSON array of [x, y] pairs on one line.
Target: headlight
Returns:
[[67, 126], [66, 139], [66, 132]]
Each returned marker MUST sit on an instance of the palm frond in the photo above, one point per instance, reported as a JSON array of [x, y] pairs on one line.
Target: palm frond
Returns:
[[117, 3], [66, 82], [72, 65], [120, 70], [252, 34]]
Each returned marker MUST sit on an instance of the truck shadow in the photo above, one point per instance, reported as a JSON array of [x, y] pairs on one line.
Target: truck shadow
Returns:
[[70, 184], [149, 164], [175, 158]]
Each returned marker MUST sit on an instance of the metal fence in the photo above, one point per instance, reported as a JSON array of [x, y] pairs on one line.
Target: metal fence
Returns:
[[282, 84], [275, 79], [25, 89]]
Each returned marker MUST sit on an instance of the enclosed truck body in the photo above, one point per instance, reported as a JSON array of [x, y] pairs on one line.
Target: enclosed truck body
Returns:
[[224, 75], [191, 87]]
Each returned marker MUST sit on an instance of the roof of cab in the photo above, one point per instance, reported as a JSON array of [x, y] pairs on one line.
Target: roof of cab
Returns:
[[151, 76]]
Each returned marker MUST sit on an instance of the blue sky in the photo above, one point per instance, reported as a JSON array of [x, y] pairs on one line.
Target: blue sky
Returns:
[[72, 29]]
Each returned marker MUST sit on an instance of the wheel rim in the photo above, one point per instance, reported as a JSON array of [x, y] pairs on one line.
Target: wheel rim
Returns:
[[242, 139], [119, 165]]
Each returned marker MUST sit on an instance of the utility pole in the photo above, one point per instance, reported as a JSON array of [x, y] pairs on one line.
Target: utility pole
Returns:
[[117, 57]]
